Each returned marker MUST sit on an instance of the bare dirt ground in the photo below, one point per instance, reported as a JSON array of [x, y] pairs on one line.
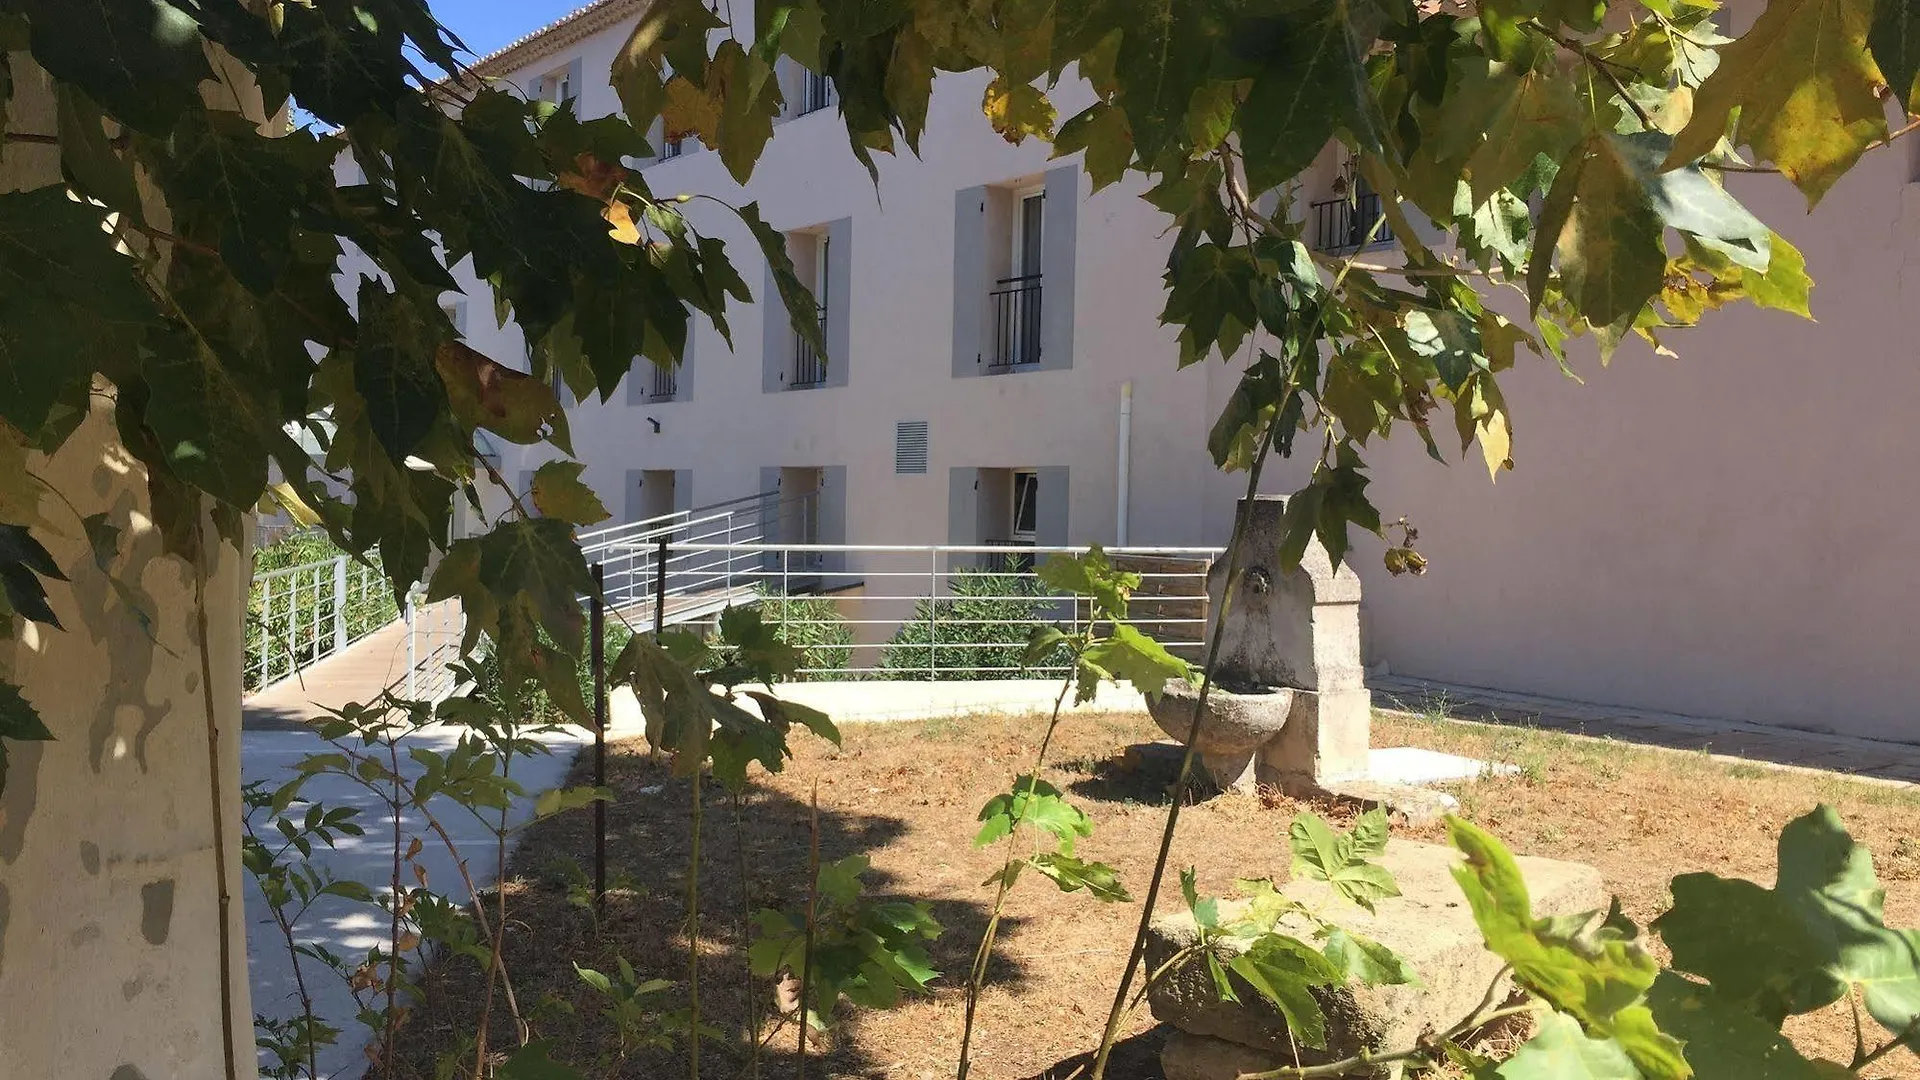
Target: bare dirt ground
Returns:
[[906, 796]]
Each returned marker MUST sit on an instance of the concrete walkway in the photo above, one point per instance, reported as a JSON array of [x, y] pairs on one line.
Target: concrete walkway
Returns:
[[1868, 758], [350, 929]]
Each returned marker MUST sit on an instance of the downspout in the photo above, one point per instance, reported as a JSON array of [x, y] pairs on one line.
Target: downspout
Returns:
[[1123, 466]]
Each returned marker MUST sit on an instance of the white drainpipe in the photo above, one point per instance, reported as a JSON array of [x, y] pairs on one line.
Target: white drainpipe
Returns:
[[1123, 466]]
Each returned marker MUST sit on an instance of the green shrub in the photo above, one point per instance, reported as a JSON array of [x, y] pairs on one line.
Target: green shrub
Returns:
[[277, 644], [979, 632], [814, 625]]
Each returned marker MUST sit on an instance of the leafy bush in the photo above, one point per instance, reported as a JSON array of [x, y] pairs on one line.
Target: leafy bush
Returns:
[[980, 632], [814, 625]]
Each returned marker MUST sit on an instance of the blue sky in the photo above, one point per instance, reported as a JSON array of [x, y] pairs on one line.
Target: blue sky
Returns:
[[486, 25]]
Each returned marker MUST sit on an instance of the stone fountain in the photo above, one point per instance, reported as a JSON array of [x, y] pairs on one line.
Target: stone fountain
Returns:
[[1289, 705]]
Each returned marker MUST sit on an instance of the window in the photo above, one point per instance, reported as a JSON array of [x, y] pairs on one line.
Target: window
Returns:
[[558, 86], [809, 367], [816, 92], [790, 361], [1024, 513], [1016, 297], [1353, 218]]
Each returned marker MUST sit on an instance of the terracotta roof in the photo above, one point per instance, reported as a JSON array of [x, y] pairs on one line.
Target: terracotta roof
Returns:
[[569, 29]]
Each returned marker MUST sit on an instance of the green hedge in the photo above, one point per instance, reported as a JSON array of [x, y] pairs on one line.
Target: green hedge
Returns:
[[979, 632], [814, 625]]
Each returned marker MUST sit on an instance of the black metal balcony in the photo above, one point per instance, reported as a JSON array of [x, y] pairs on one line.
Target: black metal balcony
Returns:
[[672, 148], [816, 93], [809, 367], [1347, 224], [666, 384], [1016, 323]]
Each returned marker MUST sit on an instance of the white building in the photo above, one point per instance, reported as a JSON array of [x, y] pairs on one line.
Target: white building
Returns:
[[1723, 535]]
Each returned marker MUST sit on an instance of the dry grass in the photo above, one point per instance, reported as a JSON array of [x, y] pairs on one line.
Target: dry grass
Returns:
[[906, 796]]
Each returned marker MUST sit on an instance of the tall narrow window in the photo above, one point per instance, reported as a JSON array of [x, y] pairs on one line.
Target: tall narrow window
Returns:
[[816, 92], [1016, 297], [809, 367], [1025, 512]]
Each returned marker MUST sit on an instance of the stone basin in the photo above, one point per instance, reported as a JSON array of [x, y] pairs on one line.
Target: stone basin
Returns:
[[1235, 722]]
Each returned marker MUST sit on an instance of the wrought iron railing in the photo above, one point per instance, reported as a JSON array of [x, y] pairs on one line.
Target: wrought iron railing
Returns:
[[672, 148], [809, 367], [1346, 224], [816, 93], [666, 383], [1016, 322]]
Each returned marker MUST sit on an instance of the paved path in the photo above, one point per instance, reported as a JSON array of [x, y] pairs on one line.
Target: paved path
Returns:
[[1871, 758], [359, 672], [350, 929]]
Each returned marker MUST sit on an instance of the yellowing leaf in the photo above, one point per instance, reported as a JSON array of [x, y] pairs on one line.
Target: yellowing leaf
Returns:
[[1017, 110], [1606, 232], [691, 110], [559, 493], [1806, 88], [620, 221]]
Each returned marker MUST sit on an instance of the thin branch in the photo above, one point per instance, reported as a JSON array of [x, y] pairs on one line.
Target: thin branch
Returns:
[[223, 896], [30, 137], [1243, 515]]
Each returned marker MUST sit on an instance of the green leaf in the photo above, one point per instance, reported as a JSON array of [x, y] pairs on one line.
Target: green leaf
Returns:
[[1092, 575], [560, 800], [531, 1062], [1073, 874], [1340, 859], [143, 60], [69, 303], [1102, 132], [1309, 78], [87, 156], [800, 304], [20, 722], [1133, 657], [393, 368], [1361, 959], [1500, 116], [559, 493], [1283, 969], [1724, 1041], [1559, 1050], [1687, 200], [1605, 230], [1598, 979], [1806, 91], [23, 562], [1894, 39]]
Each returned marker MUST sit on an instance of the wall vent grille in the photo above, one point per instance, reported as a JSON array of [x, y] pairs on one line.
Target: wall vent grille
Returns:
[[910, 447]]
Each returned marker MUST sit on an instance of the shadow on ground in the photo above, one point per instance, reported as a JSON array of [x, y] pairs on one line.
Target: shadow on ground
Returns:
[[648, 845]]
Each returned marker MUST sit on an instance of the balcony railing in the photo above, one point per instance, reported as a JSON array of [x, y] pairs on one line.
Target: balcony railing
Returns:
[[672, 148], [1346, 224], [666, 384], [816, 93], [1016, 323], [809, 367]]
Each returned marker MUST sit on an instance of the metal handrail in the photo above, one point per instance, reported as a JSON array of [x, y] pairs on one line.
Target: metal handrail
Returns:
[[978, 631]]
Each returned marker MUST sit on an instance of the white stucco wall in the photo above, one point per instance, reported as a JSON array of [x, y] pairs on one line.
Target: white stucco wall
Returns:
[[1721, 534], [109, 959]]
